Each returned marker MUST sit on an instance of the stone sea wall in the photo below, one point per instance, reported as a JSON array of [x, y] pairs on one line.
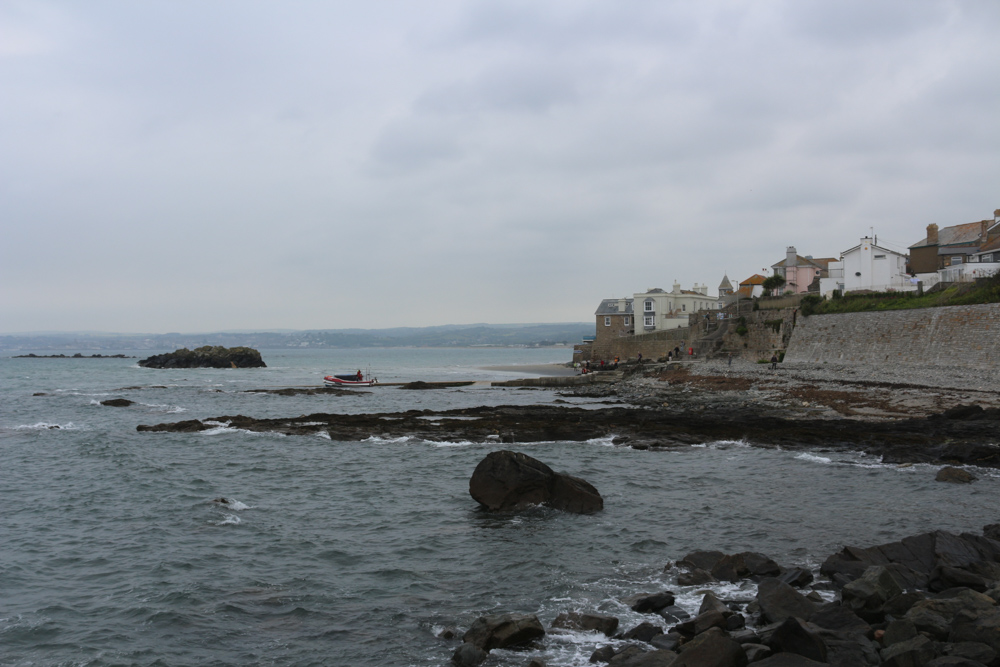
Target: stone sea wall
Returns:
[[952, 335]]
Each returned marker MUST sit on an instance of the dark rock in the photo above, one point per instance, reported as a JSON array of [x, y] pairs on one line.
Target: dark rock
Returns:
[[668, 642], [852, 652], [867, 594], [742, 565], [712, 603], [836, 617], [503, 630], [992, 531], [899, 630], [929, 622], [207, 357], [701, 560], [778, 601], [745, 636], [447, 633], [953, 661], [899, 605], [735, 622], [649, 602], [963, 412], [944, 577], [797, 577], [586, 622], [914, 652], [715, 650], [702, 622], [695, 577], [674, 614], [756, 652], [954, 475], [643, 632], [788, 660], [627, 653], [603, 654], [797, 636], [468, 655], [972, 651], [657, 658], [117, 402], [536, 662], [982, 626], [511, 480]]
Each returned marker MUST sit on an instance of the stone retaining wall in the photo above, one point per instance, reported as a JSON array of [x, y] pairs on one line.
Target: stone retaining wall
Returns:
[[651, 346], [952, 335]]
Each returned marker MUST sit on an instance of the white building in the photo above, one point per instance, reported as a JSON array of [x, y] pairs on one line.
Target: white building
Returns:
[[868, 266], [657, 309]]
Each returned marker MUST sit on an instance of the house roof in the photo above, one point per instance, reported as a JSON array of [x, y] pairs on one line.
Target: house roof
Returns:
[[806, 261], [610, 307], [725, 284], [755, 279], [991, 246], [965, 234], [746, 291]]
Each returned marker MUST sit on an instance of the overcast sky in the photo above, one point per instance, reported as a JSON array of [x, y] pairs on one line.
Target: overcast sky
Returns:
[[199, 166]]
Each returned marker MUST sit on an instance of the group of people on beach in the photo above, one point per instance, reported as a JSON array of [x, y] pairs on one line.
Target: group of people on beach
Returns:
[[600, 366]]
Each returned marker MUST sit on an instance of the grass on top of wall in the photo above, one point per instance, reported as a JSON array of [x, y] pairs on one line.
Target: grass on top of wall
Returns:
[[983, 291]]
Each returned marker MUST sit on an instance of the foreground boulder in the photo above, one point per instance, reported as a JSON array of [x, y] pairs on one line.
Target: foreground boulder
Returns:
[[503, 630], [207, 357], [512, 480]]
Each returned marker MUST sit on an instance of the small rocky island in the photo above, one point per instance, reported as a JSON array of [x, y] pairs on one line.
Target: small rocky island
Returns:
[[207, 357]]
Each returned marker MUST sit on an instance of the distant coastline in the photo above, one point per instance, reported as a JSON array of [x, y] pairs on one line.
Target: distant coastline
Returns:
[[475, 335], [78, 355]]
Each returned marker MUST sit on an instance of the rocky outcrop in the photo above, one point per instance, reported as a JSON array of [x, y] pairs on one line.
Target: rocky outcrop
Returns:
[[905, 440], [207, 357], [117, 402], [512, 480]]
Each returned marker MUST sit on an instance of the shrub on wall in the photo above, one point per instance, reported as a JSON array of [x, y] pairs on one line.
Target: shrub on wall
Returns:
[[809, 304]]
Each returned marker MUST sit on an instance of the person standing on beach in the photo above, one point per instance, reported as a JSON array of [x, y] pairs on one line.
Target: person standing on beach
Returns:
[[774, 361], [730, 358]]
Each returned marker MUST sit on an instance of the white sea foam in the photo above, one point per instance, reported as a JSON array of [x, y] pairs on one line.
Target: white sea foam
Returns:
[[805, 456], [230, 520], [606, 441], [233, 504], [222, 428], [460, 443], [163, 407], [374, 439], [325, 435], [42, 426]]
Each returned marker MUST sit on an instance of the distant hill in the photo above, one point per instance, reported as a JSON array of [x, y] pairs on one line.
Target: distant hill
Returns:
[[452, 335]]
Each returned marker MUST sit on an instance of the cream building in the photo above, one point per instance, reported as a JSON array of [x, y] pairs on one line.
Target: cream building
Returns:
[[657, 309]]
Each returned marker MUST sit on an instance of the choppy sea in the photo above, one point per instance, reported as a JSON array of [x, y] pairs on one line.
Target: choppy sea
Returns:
[[112, 551]]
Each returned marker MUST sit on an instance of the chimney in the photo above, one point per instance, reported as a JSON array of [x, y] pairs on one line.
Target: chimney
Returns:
[[791, 257], [932, 234], [996, 215]]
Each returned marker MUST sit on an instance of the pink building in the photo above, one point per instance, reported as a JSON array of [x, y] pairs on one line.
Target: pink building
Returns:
[[800, 272]]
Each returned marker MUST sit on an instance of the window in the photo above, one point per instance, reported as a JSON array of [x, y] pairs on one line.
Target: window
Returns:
[[607, 321], [648, 320], [879, 256], [649, 306], [957, 259], [684, 307], [626, 321]]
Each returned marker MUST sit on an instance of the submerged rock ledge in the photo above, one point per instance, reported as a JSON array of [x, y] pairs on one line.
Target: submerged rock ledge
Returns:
[[962, 437]]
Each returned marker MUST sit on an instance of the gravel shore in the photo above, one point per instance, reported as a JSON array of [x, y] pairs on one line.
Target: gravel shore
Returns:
[[831, 391]]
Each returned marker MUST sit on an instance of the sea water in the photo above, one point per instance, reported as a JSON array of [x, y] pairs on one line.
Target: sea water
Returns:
[[113, 551]]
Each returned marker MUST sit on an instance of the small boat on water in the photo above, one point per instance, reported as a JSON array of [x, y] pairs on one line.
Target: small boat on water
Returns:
[[349, 380]]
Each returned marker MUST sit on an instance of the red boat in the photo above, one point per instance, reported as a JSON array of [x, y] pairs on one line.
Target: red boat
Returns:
[[352, 380]]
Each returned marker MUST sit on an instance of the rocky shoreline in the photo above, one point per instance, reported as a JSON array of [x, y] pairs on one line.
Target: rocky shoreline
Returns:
[[928, 600]]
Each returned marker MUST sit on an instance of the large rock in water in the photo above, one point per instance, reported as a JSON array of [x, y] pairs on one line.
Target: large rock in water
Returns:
[[207, 357], [511, 480]]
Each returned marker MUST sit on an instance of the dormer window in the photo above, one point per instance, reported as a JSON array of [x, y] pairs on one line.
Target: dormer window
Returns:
[[648, 306]]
